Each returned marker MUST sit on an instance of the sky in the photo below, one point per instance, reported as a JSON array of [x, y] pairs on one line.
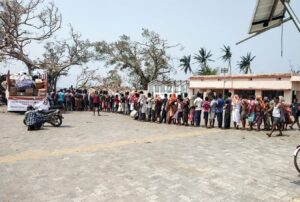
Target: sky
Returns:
[[192, 23]]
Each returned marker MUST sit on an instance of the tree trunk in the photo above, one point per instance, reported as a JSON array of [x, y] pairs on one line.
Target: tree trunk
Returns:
[[144, 83], [30, 69]]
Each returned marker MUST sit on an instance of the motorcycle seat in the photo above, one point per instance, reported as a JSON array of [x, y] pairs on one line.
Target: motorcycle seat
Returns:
[[47, 112]]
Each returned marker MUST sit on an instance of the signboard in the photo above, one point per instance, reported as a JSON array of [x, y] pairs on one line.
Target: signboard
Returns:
[[20, 105]]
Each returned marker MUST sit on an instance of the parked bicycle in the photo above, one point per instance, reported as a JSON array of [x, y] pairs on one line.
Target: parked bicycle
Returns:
[[297, 158]]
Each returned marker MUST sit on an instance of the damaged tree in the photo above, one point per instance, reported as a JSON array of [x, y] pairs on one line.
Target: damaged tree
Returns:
[[60, 56], [25, 22]]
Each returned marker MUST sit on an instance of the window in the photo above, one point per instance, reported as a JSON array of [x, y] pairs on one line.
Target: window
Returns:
[[169, 89]]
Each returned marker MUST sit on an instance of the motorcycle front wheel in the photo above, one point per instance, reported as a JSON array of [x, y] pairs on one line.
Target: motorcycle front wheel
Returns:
[[56, 122]]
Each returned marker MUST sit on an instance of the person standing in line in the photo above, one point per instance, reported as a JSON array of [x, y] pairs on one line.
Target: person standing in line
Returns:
[[149, 106], [153, 106], [244, 113], [171, 108], [112, 103], [259, 112], [164, 109], [251, 112], [127, 103], [219, 112], [236, 111], [227, 115], [142, 107], [206, 109], [295, 112], [96, 103], [213, 110], [158, 106], [179, 110], [198, 109], [185, 109], [276, 114]]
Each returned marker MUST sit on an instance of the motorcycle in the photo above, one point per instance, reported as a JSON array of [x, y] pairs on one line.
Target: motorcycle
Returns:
[[36, 118]]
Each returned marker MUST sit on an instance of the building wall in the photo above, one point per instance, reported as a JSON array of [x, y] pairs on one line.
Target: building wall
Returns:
[[242, 83]]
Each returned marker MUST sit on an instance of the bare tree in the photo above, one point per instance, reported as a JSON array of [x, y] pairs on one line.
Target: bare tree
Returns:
[[87, 78], [113, 80], [23, 22], [60, 56]]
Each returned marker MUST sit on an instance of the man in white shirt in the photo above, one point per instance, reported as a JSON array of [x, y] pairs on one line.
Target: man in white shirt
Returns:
[[198, 109]]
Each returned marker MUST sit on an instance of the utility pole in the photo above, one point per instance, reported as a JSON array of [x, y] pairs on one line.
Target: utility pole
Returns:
[[224, 71]]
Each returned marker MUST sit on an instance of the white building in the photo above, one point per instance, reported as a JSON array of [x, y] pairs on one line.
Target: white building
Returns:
[[265, 85], [157, 87]]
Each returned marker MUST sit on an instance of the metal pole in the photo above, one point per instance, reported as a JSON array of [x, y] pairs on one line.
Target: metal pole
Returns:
[[258, 33], [291, 13], [224, 85]]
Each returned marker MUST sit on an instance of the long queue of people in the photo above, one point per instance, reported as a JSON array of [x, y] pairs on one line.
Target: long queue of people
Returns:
[[245, 113]]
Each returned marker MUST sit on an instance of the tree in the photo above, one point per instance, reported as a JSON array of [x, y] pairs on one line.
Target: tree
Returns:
[[60, 56], [87, 78], [148, 60], [113, 80], [25, 22], [203, 57], [227, 56], [185, 64], [245, 63]]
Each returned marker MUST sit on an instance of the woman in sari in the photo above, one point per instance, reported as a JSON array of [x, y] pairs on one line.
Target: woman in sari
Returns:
[[171, 108]]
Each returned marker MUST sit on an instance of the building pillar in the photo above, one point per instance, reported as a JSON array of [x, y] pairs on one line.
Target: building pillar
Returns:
[[204, 94], [258, 93], [287, 94]]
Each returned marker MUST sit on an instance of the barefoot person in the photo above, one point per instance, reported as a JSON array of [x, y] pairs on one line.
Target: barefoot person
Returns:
[[276, 114], [96, 103]]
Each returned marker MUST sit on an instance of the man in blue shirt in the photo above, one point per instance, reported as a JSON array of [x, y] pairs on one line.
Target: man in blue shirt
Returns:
[[60, 98], [220, 104]]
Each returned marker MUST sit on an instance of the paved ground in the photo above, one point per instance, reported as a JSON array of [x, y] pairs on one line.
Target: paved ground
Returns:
[[113, 158]]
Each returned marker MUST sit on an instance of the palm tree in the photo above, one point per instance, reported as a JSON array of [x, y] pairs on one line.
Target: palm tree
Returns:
[[207, 71], [185, 64], [245, 63], [227, 56], [203, 57]]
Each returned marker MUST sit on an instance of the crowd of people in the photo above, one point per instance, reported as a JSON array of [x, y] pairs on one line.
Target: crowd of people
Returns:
[[244, 112]]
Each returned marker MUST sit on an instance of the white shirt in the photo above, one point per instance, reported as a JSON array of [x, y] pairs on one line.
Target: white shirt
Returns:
[[198, 104], [276, 111], [42, 105]]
